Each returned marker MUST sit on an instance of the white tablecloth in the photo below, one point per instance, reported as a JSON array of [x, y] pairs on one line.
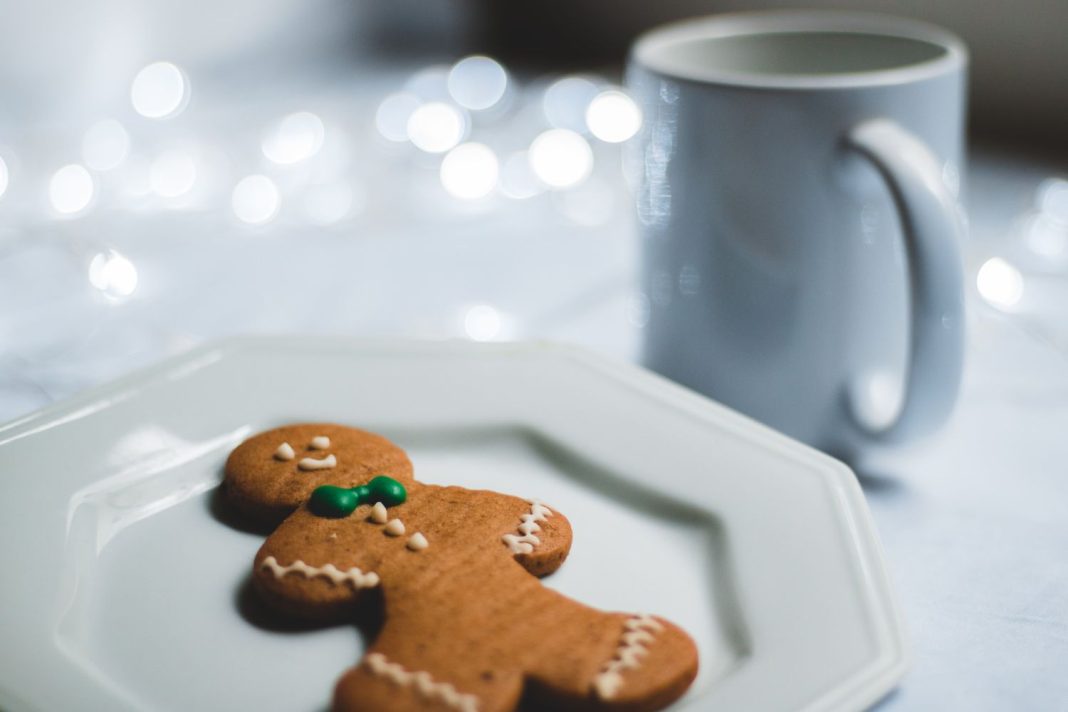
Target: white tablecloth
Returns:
[[975, 520]]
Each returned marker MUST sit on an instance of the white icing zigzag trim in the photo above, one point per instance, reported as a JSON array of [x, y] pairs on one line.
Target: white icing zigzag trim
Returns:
[[423, 683], [528, 524], [637, 633], [354, 576]]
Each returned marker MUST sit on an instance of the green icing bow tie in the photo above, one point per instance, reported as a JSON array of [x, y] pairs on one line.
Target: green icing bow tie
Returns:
[[335, 502]]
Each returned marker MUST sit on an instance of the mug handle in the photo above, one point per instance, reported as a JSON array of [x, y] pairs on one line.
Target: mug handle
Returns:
[[933, 228]]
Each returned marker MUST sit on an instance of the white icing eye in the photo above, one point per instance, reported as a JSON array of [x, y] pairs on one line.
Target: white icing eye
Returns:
[[284, 452], [320, 442]]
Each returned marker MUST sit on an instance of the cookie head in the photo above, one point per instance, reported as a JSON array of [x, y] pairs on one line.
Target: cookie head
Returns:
[[272, 473]]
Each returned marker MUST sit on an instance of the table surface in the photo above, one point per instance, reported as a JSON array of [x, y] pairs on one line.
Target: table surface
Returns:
[[974, 520]]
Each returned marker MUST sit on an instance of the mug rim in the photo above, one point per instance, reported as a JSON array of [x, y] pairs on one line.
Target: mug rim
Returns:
[[646, 49]]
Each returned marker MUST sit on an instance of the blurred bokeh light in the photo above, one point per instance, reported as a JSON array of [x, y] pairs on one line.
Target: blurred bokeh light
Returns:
[[1000, 283], [295, 138], [561, 158], [613, 117], [436, 127], [255, 199], [477, 82], [159, 90], [105, 145], [71, 189]]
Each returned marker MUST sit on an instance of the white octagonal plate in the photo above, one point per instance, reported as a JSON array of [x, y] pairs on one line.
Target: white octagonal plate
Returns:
[[125, 588]]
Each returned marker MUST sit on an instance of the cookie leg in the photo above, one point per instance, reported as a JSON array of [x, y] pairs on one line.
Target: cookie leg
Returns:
[[400, 682], [632, 663], [653, 664]]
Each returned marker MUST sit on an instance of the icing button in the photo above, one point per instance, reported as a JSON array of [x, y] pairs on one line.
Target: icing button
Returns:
[[418, 542], [395, 527], [379, 515]]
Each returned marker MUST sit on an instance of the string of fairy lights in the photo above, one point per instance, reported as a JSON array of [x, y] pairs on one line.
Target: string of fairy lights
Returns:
[[447, 114], [442, 112], [433, 113]]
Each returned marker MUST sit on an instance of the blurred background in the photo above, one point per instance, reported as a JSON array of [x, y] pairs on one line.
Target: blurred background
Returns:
[[174, 172]]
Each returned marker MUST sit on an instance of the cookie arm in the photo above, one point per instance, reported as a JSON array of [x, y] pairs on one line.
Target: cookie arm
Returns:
[[541, 539], [301, 570]]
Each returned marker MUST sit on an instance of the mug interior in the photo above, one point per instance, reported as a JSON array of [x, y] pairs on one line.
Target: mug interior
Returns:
[[800, 49], [801, 53]]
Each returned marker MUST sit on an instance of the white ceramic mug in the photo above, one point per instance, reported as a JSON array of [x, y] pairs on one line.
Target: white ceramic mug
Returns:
[[797, 182]]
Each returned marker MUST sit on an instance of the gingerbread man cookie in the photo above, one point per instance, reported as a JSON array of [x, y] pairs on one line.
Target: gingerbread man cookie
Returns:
[[468, 627]]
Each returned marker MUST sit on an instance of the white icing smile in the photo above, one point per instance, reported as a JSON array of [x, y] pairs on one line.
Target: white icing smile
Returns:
[[310, 463]]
